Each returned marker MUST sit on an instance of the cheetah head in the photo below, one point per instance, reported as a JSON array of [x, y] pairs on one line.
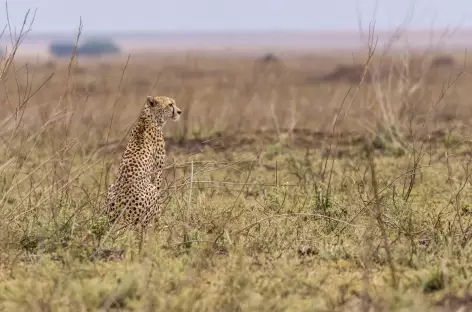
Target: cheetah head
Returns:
[[163, 107]]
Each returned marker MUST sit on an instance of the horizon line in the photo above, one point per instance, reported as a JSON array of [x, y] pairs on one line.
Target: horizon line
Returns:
[[347, 31]]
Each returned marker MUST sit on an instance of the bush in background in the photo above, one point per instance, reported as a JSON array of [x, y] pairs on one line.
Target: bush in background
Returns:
[[94, 47], [61, 49]]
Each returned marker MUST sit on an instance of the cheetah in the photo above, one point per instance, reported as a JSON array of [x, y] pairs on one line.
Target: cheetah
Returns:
[[133, 199]]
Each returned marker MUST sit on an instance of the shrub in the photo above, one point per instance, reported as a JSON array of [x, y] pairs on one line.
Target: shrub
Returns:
[[88, 48], [61, 49], [98, 47]]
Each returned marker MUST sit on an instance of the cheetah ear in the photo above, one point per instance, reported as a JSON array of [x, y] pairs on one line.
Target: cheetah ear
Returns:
[[151, 100]]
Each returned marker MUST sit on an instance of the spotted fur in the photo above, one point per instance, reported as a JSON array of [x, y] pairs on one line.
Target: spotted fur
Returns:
[[133, 199]]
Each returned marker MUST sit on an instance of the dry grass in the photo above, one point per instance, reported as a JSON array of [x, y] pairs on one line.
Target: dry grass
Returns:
[[288, 191]]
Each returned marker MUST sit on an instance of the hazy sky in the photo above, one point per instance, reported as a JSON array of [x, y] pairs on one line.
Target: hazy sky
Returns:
[[236, 15]]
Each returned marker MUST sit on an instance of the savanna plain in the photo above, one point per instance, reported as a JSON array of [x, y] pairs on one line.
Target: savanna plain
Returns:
[[309, 182]]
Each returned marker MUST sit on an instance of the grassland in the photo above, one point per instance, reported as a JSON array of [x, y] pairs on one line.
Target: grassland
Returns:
[[292, 184]]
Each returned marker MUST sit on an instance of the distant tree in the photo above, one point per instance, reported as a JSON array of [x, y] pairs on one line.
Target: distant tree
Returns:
[[95, 47], [61, 49], [98, 47]]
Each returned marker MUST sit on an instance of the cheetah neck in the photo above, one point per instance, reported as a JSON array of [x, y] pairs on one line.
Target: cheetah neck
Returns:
[[147, 118], [150, 128]]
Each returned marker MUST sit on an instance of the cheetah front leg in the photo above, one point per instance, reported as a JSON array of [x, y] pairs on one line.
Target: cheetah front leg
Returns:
[[156, 176], [150, 212]]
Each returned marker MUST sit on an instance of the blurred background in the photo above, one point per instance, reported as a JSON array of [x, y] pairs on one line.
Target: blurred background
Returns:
[[240, 26], [228, 55]]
